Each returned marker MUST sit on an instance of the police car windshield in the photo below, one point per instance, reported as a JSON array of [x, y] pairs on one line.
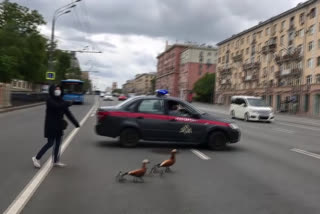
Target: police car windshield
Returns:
[[257, 102]]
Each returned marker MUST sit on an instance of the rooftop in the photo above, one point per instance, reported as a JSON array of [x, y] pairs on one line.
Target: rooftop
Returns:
[[272, 19]]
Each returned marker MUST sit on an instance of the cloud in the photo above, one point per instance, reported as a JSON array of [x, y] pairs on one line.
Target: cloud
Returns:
[[132, 33]]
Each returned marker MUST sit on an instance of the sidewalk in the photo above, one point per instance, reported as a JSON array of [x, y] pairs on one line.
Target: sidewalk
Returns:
[[298, 119], [7, 109]]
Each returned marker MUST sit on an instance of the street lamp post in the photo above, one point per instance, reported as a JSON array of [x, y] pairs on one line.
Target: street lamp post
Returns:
[[57, 13]]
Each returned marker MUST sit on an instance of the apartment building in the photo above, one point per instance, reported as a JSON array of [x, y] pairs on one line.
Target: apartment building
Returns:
[[128, 87], [143, 83], [195, 62], [278, 59], [168, 68], [181, 65]]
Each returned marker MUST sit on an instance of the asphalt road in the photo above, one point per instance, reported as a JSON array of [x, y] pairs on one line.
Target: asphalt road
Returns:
[[274, 169]]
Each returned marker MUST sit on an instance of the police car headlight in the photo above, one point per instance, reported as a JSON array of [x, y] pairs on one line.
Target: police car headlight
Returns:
[[233, 126]]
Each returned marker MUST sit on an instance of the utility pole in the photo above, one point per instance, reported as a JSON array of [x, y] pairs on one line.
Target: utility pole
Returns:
[[57, 13]]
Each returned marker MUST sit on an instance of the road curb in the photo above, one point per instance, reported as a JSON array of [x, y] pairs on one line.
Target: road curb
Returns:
[[3, 110]]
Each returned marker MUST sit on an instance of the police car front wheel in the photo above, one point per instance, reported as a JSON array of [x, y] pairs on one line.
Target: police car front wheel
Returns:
[[129, 137], [217, 141]]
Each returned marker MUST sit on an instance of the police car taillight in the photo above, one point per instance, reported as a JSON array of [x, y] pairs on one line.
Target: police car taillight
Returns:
[[102, 114]]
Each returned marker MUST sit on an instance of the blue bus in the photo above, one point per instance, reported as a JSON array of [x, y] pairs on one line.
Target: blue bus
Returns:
[[73, 90]]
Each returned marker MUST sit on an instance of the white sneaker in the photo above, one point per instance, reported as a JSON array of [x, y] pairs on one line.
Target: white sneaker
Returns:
[[59, 164], [36, 163]]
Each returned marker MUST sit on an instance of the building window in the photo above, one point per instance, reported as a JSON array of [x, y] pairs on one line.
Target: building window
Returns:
[[310, 63], [292, 21], [272, 69], [311, 30], [309, 79], [248, 38], [242, 41], [311, 46], [301, 19], [301, 33], [267, 31], [318, 78], [318, 61], [247, 51], [274, 29], [209, 53], [219, 60], [312, 13], [282, 40], [283, 23]]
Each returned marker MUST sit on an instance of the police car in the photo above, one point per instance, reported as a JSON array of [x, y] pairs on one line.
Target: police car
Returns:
[[164, 118]]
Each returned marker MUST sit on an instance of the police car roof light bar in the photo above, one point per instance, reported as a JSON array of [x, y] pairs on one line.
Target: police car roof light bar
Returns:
[[161, 92]]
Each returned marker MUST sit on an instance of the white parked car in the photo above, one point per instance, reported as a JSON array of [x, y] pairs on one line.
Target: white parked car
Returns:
[[251, 108], [108, 98]]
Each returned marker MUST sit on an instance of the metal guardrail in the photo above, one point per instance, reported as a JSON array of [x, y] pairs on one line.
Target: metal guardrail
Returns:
[[22, 98]]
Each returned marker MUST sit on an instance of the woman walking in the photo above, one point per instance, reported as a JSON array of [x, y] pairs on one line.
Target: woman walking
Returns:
[[54, 125]]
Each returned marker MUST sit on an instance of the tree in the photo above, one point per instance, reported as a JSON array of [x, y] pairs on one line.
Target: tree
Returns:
[[23, 51], [117, 91], [87, 85], [204, 88], [153, 85]]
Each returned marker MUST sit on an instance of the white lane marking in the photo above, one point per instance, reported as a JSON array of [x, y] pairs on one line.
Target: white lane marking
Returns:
[[25, 195], [283, 130], [314, 155], [200, 154], [93, 112]]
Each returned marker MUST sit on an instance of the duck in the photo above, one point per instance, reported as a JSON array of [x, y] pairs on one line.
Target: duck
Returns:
[[137, 174], [166, 163]]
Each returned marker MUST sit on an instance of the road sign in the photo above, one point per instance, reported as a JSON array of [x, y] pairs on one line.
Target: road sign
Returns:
[[50, 75]]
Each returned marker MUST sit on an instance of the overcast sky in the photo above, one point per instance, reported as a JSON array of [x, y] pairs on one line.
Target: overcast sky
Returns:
[[131, 33]]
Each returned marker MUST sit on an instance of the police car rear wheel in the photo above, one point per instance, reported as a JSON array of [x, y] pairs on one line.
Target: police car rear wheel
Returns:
[[217, 141], [129, 137]]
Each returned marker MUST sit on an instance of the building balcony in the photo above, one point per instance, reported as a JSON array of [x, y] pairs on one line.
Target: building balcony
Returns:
[[238, 58], [224, 82], [225, 71], [289, 57], [295, 73], [271, 48], [251, 66], [250, 78]]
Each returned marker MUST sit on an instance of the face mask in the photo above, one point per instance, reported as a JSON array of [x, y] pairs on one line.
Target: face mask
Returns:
[[57, 93]]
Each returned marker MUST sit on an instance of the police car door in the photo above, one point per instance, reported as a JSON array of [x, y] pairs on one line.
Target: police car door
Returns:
[[183, 126], [151, 119]]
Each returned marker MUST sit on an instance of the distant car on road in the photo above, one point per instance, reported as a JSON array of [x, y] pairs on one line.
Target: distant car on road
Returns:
[[102, 95], [162, 118], [108, 98], [122, 97], [251, 108]]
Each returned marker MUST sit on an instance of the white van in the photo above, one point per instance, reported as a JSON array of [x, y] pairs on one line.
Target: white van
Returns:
[[251, 108]]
